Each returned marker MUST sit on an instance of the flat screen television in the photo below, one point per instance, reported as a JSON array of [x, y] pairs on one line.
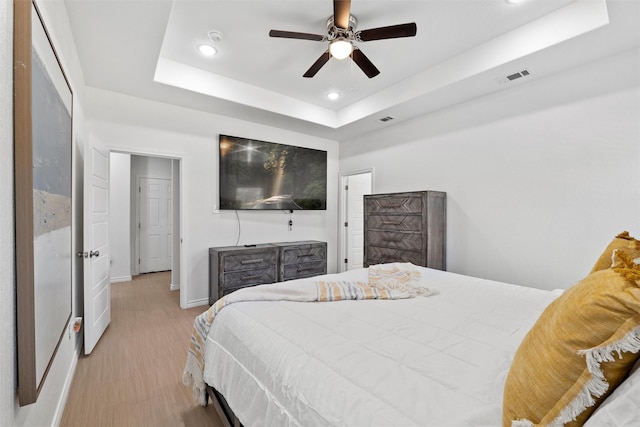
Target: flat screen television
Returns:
[[265, 175]]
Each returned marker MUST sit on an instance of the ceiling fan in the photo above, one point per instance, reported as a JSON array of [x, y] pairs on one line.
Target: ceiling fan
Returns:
[[341, 35]]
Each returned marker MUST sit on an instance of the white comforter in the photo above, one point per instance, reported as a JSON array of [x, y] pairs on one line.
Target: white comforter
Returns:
[[436, 361]]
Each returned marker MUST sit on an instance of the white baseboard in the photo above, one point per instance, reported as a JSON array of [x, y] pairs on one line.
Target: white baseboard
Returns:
[[121, 279], [67, 383], [173, 287], [198, 303]]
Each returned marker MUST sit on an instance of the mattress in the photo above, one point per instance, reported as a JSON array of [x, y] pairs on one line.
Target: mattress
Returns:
[[426, 361]]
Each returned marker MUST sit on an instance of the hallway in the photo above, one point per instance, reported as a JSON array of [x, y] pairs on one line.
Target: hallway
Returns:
[[133, 376]]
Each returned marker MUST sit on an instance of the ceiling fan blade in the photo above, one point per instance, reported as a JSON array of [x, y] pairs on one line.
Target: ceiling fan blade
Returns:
[[390, 32], [341, 13], [294, 35], [318, 64], [363, 62]]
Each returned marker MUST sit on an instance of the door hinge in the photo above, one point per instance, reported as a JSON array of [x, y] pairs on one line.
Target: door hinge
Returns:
[[346, 223], [346, 187], [138, 261], [346, 260], [139, 189]]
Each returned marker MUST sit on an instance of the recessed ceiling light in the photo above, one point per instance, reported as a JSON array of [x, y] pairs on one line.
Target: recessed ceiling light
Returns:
[[333, 95], [514, 1], [207, 50]]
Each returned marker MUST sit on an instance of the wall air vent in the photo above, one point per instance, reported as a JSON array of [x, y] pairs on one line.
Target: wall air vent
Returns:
[[512, 77], [385, 119]]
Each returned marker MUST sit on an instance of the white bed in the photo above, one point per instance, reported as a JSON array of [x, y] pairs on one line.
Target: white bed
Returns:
[[426, 361], [441, 360]]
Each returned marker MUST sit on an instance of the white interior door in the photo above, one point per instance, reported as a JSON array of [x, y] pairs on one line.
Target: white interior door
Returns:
[[155, 224], [97, 291], [357, 186]]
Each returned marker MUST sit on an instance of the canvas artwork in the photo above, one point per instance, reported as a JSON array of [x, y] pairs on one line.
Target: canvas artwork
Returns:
[[43, 176], [51, 144]]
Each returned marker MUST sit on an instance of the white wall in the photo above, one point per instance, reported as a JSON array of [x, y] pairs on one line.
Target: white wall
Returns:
[[539, 178], [119, 218], [149, 167], [135, 125]]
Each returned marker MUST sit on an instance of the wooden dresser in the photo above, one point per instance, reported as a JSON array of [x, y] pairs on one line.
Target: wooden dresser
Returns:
[[235, 267], [406, 227]]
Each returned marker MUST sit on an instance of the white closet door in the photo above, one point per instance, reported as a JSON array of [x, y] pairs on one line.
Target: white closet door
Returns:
[[156, 224]]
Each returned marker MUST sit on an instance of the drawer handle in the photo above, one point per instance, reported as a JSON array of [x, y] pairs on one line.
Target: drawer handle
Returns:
[[393, 206], [251, 277], [304, 255], [300, 270], [392, 222], [251, 261]]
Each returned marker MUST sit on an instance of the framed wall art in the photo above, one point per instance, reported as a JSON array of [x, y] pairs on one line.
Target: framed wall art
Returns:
[[42, 146]]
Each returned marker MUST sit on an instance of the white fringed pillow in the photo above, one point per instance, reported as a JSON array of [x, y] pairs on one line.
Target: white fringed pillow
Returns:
[[581, 348], [622, 407]]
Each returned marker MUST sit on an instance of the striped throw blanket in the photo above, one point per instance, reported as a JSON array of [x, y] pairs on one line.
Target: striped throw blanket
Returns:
[[302, 291]]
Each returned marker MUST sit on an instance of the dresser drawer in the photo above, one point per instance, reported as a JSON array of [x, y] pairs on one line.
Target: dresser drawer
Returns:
[[240, 279], [378, 255], [302, 270], [396, 240], [250, 261], [394, 204], [295, 255], [394, 222]]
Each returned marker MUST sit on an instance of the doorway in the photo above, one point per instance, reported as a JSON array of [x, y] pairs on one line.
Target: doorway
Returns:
[[353, 187], [145, 230]]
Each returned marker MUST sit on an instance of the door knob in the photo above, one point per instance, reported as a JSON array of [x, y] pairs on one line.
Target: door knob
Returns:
[[89, 254]]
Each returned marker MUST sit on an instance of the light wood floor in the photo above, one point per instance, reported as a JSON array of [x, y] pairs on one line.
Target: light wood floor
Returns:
[[133, 377]]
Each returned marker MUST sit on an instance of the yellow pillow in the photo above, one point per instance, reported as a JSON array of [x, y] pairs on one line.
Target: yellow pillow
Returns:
[[581, 348], [622, 241]]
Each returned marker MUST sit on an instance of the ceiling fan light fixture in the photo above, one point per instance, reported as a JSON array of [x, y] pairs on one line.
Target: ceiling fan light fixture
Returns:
[[340, 48]]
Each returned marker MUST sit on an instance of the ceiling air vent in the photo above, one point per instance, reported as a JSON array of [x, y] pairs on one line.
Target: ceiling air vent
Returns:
[[385, 119], [522, 73], [512, 77]]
